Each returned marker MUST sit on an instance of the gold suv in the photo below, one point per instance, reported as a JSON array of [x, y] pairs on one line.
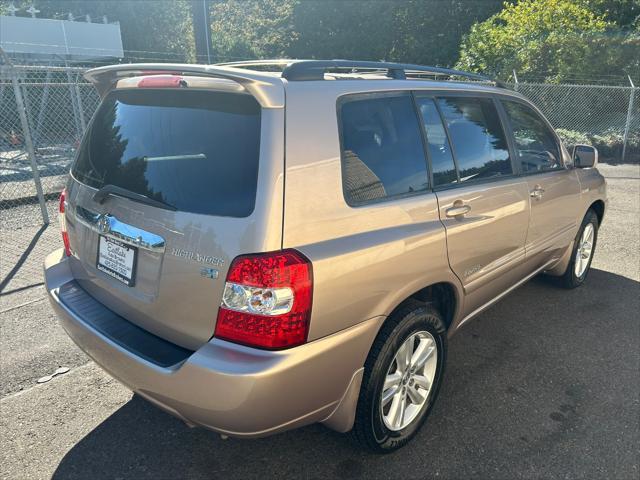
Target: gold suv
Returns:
[[255, 247]]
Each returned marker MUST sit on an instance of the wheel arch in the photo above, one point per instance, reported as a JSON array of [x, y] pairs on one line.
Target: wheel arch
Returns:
[[598, 207], [443, 295]]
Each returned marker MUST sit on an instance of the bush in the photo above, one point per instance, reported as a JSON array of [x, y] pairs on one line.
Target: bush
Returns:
[[572, 137], [609, 144], [559, 41]]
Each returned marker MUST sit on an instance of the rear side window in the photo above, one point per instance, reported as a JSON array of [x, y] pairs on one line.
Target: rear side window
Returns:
[[382, 151], [442, 166], [479, 142], [193, 150], [536, 146]]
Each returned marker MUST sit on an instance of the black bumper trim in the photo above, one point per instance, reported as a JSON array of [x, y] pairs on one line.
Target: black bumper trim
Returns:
[[129, 336]]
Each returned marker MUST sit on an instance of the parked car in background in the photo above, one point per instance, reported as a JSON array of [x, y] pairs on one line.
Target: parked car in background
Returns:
[[254, 251]]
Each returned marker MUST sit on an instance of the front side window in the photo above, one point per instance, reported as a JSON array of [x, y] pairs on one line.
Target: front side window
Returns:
[[536, 147], [381, 148], [479, 142]]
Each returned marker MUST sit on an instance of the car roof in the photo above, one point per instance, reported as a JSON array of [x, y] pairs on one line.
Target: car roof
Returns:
[[362, 76], [268, 86]]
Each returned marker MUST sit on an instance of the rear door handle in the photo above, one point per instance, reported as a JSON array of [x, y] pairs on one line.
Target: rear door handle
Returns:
[[457, 210], [537, 192]]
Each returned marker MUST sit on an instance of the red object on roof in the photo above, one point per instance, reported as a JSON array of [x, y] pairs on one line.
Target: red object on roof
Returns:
[[162, 81]]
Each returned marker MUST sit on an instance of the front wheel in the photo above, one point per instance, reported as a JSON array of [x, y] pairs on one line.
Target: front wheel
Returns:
[[402, 377], [583, 249]]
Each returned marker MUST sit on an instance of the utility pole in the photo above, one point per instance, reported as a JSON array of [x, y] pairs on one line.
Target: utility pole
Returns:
[[201, 29]]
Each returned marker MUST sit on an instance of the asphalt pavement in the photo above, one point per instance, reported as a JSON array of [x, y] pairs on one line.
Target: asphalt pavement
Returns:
[[545, 384]]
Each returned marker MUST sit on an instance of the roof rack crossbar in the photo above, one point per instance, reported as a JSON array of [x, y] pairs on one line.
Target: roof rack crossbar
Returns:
[[305, 70]]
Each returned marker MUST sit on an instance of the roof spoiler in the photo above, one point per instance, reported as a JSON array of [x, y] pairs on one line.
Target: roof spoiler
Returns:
[[267, 89]]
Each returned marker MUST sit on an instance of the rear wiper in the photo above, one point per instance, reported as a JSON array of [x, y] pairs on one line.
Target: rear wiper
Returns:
[[101, 195]]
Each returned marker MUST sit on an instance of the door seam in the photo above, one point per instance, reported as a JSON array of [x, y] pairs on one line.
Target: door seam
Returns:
[[446, 241]]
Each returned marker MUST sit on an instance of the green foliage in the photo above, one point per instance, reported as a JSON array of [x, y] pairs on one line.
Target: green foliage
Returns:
[[343, 29], [430, 32], [163, 28], [415, 31], [623, 13], [252, 29], [548, 40], [554, 39], [532, 36], [151, 29], [573, 137], [609, 144], [4, 5]]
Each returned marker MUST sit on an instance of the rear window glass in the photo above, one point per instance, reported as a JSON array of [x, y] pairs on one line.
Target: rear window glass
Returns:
[[195, 151], [382, 151]]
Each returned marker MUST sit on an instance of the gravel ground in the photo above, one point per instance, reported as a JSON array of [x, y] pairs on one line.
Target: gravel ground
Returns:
[[543, 385]]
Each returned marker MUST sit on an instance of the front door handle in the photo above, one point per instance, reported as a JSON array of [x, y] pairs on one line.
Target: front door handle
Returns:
[[457, 210], [537, 192]]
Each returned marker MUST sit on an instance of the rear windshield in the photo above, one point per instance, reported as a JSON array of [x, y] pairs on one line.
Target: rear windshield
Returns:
[[195, 151]]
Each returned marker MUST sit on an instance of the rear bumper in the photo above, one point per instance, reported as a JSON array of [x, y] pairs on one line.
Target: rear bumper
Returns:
[[230, 388]]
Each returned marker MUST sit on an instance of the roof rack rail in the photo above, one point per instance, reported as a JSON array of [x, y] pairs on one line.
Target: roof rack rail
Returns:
[[272, 62], [304, 70]]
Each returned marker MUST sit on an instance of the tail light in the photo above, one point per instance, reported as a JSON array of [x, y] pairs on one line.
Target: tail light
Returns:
[[63, 223], [267, 300]]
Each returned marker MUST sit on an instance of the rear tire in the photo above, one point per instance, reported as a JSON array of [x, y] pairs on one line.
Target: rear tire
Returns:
[[419, 328], [584, 248]]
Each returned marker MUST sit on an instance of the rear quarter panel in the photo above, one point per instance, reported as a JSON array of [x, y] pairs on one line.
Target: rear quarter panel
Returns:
[[366, 259]]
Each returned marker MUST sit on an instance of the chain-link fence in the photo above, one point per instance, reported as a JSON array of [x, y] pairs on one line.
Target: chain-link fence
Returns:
[[44, 111], [607, 117]]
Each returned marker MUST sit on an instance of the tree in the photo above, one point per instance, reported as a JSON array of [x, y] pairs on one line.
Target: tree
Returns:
[[413, 31], [252, 29], [161, 27], [159, 30], [623, 13], [429, 32], [425, 31], [553, 40], [344, 29]]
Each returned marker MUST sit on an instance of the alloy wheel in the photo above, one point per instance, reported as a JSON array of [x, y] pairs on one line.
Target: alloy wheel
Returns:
[[409, 380], [584, 250]]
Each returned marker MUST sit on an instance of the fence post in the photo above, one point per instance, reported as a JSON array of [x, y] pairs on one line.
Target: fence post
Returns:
[[83, 123], [515, 80], [74, 103], [76, 88], [43, 105], [632, 94], [26, 135]]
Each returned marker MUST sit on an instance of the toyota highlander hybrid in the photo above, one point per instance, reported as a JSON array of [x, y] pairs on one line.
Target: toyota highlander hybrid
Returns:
[[254, 247]]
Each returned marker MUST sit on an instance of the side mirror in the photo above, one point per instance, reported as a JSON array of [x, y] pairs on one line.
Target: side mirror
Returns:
[[585, 156]]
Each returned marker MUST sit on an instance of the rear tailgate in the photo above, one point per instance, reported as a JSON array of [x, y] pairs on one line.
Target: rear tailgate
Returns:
[[193, 178]]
